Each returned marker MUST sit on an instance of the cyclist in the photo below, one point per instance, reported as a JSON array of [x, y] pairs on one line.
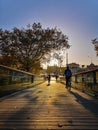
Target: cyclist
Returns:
[[68, 74]]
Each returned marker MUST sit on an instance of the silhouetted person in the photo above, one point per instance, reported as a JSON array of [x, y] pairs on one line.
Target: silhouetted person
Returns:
[[56, 76], [49, 78], [68, 74]]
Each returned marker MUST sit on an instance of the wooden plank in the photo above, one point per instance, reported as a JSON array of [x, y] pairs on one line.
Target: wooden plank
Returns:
[[49, 107]]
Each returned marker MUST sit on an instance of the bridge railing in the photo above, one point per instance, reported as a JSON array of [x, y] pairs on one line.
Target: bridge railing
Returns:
[[13, 79], [86, 81]]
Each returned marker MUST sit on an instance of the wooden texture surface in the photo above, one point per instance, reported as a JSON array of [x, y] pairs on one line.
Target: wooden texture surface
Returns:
[[49, 107]]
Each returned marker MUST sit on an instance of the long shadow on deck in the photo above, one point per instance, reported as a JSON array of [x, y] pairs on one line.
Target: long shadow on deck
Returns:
[[90, 105]]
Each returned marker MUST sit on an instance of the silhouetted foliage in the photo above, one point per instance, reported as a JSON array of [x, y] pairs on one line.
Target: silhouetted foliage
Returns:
[[95, 43], [25, 48]]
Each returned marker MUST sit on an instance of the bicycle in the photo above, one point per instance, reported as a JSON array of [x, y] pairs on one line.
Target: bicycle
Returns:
[[68, 84]]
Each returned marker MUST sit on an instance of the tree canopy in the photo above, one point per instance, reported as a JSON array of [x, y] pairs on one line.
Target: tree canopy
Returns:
[[26, 48]]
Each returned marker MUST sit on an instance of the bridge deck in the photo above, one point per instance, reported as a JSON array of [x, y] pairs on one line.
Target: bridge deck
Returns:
[[49, 107]]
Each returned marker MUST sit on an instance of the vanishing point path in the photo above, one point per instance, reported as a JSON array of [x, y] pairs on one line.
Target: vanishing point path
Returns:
[[49, 108]]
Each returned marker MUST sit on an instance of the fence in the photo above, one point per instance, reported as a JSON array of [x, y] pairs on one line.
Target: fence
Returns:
[[12, 80], [86, 81]]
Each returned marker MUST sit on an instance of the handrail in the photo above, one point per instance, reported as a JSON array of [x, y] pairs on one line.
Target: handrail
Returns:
[[86, 71], [86, 81], [9, 68], [12, 80]]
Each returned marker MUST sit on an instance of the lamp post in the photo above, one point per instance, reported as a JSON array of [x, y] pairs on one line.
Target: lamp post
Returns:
[[67, 56], [66, 59], [90, 58]]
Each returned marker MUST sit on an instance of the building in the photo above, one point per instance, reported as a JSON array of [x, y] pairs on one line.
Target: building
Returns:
[[91, 66], [74, 67]]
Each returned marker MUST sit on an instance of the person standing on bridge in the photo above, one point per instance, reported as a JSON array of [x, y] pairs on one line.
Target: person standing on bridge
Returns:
[[49, 78], [56, 77], [68, 74]]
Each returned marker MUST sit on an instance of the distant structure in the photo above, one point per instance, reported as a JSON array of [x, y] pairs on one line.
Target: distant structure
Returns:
[[74, 67], [92, 66]]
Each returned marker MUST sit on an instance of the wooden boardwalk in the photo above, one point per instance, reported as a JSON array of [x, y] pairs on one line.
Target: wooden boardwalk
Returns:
[[49, 108]]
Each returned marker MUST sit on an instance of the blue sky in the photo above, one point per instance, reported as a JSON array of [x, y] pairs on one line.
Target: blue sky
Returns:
[[78, 19]]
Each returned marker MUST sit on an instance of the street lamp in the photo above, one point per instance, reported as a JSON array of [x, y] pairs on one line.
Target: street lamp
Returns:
[[67, 56], [90, 58], [66, 59]]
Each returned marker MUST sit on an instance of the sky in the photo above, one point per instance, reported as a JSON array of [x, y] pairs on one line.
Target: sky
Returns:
[[78, 19]]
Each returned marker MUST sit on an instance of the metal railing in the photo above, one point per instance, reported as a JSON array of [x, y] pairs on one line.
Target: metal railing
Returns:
[[86, 81], [12, 80], [9, 76]]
